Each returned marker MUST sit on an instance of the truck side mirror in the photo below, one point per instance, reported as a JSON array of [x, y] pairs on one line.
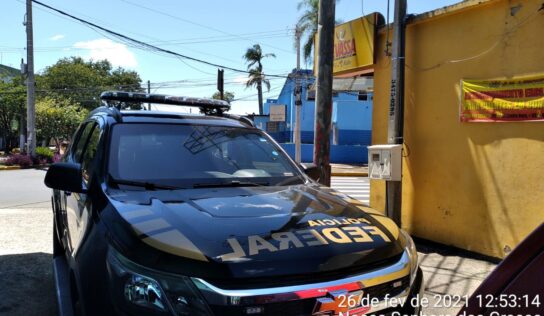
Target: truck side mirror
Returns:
[[65, 176], [311, 170]]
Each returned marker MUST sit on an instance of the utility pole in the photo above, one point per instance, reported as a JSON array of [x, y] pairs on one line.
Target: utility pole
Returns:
[[396, 107], [22, 121], [149, 92], [298, 98], [30, 108], [221, 83], [323, 104]]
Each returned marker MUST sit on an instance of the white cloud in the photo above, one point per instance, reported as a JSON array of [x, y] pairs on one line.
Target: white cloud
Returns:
[[103, 48], [56, 37], [240, 79], [244, 107]]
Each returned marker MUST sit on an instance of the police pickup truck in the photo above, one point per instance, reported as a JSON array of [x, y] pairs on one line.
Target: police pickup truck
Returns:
[[159, 213]]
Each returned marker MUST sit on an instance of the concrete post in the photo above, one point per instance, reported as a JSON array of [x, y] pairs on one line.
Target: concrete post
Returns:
[[30, 88], [396, 115], [323, 104], [298, 100]]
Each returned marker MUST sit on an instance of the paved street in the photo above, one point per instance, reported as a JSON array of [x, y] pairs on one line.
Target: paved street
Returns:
[[25, 252], [356, 187], [20, 188], [25, 244]]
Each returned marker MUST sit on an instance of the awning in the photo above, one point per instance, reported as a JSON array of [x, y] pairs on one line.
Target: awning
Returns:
[[364, 84]]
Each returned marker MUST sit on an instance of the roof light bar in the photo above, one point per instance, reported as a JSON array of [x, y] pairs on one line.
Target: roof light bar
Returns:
[[206, 106]]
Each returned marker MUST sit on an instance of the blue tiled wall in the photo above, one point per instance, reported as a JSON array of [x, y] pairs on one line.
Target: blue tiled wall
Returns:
[[351, 120], [339, 153]]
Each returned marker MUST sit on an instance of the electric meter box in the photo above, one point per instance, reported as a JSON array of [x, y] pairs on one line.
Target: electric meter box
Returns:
[[385, 162]]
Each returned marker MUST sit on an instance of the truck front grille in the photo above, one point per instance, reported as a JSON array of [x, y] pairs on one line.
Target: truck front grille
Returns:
[[306, 306]]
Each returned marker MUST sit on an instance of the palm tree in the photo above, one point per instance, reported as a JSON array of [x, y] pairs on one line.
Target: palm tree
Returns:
[[256, 78], [307, 24]]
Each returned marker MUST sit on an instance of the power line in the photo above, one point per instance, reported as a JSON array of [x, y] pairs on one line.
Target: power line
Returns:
[[154, 85], [195, 23], [252, 95], [173, 42], [144, 45], [130, 31], [154, 40]]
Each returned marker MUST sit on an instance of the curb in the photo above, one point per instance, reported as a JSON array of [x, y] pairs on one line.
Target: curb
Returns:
[[349, 174], [5, 168], [9, 168]]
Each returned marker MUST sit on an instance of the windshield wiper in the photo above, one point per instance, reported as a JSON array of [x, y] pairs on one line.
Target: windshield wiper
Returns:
[[291, 180], [147, 185], [234, 183]]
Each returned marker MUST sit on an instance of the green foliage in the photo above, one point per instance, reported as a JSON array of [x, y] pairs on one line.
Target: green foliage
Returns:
[[307, 25], [12, 109], [83, 81], [44, 153], [68, 79], [57, 118], [227, 96]]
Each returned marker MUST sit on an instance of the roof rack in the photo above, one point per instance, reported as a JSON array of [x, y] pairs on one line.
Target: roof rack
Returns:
[[242, 119], [210, 107], [110, 111], [206, 106]]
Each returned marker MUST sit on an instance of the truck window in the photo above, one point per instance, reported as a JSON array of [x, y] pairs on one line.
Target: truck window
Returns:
[[90, 152], [191, 154]]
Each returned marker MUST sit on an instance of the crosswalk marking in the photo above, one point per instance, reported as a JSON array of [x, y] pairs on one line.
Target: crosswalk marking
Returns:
[[351, 191], [356, 187]]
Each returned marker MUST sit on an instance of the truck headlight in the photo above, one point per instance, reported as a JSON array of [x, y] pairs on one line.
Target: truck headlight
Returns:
[[139, 290], [410, 248]]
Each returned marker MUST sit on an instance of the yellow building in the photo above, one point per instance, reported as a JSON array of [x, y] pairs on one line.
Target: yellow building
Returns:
[[477, 186]]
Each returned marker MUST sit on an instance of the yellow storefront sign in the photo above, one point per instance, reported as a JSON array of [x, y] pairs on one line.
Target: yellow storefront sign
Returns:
[[353, 45], [502, 100]]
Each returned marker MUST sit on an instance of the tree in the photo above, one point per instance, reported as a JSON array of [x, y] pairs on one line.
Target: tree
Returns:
[[227, 96], [307, 25], [58, 119], [83, 81], [256, 78], [12, 111]]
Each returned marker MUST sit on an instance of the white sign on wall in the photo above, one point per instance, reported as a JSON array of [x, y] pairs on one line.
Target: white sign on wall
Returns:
[[277, 113]]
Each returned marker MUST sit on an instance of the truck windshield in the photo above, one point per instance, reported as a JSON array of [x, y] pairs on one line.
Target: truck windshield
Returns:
[[196, 156]]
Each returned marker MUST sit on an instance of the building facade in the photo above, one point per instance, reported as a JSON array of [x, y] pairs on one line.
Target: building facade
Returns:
[[473, 185], [7, 73], [351, 120]]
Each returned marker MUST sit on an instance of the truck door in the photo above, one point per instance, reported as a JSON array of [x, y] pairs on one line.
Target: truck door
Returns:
[[77, 205]]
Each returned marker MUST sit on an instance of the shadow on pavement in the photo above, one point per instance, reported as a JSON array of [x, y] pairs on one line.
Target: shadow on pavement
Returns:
[[27, 286], [451, 275], [427, 246]]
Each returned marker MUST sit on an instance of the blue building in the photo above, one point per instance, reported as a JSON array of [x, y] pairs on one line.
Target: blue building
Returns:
[[351, 120]]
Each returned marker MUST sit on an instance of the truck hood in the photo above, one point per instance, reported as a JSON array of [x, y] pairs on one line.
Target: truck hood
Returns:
[[252, 232]]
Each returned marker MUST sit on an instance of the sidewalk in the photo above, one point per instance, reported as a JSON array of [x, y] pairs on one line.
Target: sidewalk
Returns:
[[450, 275], [345, 170]]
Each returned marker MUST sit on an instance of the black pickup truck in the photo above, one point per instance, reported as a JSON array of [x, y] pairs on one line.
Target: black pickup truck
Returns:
[[160, 213]]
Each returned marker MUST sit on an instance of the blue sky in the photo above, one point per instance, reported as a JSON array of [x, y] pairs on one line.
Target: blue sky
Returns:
[[218, 31]]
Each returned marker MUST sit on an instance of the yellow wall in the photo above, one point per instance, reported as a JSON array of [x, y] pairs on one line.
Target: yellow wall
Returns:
[[478, 186]]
